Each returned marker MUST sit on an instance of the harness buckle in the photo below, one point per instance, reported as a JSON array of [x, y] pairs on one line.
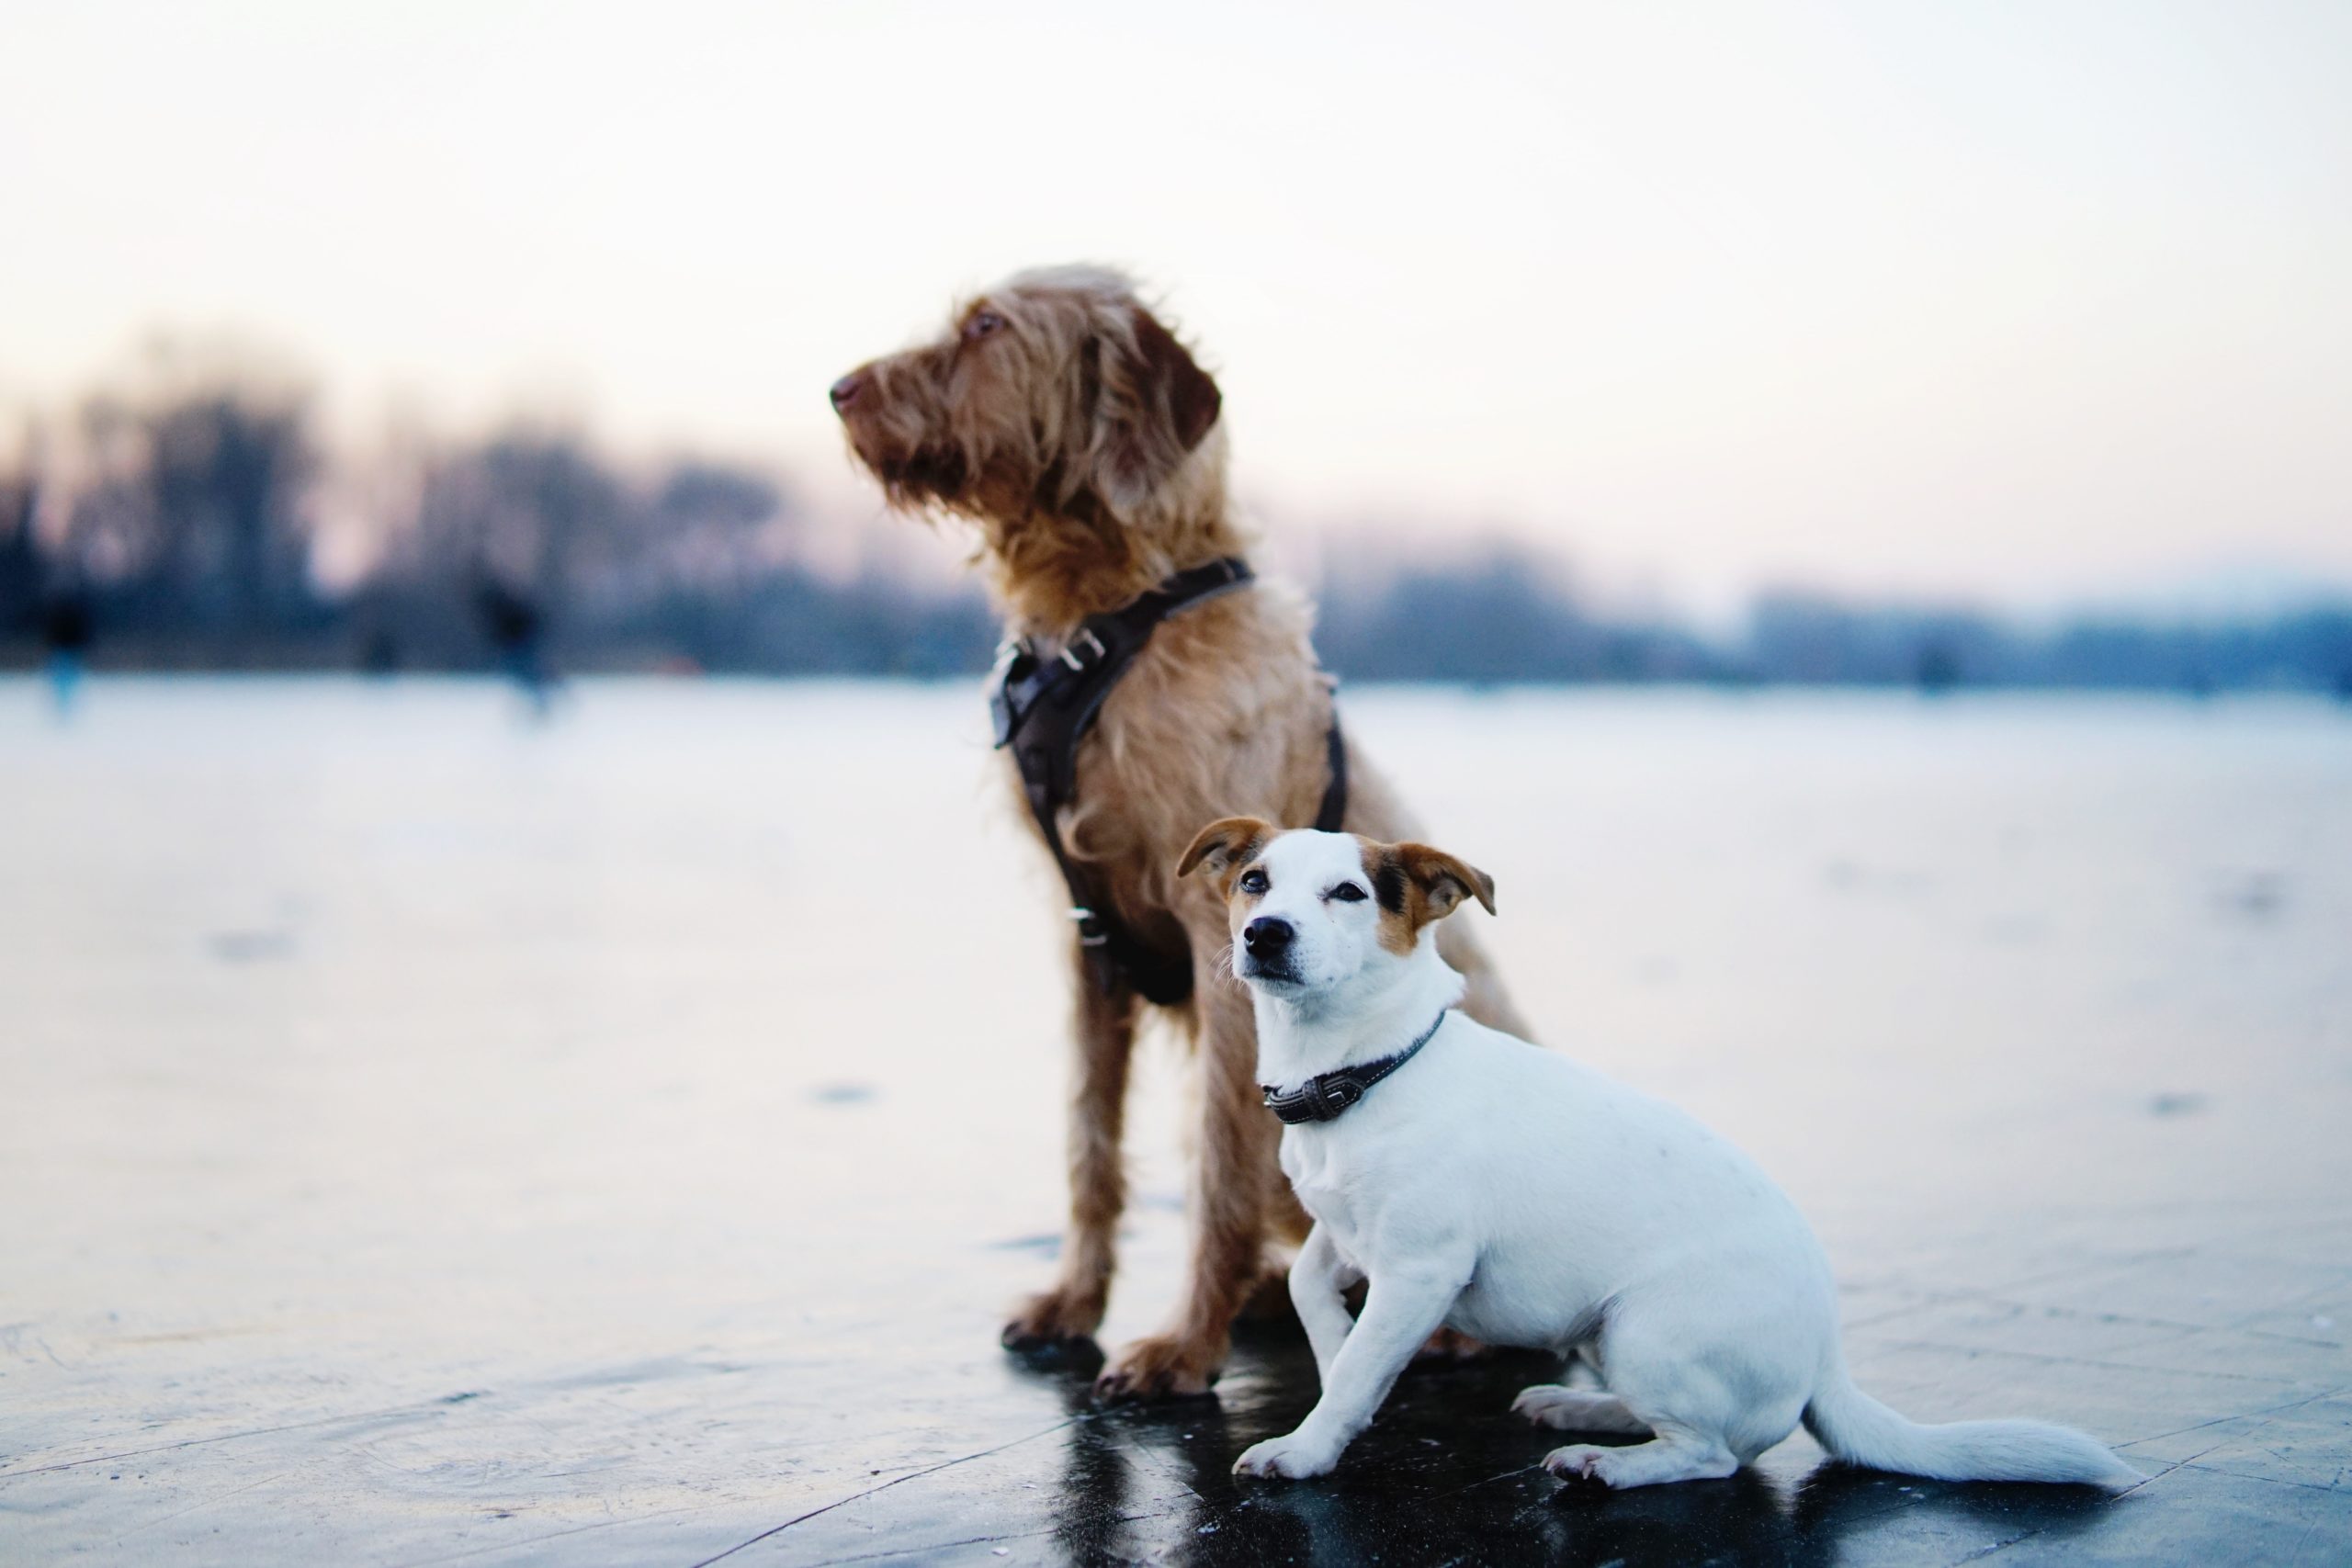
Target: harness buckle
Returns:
[[1008, 698], [1085, 640], [1089, 927]]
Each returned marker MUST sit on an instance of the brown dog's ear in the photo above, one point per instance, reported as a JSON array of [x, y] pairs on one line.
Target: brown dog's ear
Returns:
[[1153, 406], [1226, 843], [1443, 881]]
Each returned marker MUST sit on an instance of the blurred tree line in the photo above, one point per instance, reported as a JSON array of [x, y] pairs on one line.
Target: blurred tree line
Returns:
[[185, 526], [1798, 636], [179, 527]]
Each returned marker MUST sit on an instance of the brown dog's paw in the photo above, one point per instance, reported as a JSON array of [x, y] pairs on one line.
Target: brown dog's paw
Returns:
[[1052, 1318], [1161, 1366], [1451, 1345]]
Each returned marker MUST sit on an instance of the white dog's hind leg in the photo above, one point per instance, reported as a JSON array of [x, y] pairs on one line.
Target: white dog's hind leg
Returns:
[[1710, 1397], [1567, 1409], [1670, 1455]]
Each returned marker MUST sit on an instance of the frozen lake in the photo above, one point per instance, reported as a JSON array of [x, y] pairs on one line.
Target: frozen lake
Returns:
[[426, 1136]]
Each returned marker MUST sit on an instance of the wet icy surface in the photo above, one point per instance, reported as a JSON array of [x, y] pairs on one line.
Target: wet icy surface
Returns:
[[428, 1138]]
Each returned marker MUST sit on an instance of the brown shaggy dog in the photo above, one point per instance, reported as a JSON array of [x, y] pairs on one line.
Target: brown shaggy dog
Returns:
[[1063, 420]]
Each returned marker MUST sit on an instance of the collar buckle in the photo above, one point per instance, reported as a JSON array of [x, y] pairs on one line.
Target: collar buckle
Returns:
[[1323, 1097], [1334, 1094]]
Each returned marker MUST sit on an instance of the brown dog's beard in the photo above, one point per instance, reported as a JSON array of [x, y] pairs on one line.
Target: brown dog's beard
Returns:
[[925, 477]]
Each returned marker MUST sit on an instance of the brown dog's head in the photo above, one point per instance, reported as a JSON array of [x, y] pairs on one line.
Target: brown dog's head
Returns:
[[1312, 911], [1054, 398]]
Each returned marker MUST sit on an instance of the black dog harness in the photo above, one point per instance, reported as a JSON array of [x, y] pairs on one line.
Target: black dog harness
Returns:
[[1324, 1096], [1042, 708]]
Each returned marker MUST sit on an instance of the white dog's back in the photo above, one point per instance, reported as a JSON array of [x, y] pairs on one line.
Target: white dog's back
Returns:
[[1583, 1192]]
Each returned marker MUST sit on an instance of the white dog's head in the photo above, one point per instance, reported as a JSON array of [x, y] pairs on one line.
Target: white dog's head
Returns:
[[1311, 912]]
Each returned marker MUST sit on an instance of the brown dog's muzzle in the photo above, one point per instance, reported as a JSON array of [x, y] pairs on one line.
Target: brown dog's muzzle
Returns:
[[860, 398], [890, 409]]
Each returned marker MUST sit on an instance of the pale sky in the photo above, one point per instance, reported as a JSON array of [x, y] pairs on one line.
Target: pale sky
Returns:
[[2017, 300]]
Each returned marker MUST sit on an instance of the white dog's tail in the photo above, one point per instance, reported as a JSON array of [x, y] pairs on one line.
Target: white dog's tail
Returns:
[[1859, 1429]]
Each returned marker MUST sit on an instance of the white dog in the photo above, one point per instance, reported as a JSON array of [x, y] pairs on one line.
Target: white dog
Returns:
[[1481, 1184]]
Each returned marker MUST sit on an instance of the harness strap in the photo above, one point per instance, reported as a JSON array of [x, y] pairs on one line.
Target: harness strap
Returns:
[[1043, 706], [1335, 793]]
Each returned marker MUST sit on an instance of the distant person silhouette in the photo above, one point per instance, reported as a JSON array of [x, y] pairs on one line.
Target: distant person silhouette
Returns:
[[515, 630], [66, 630], [379, 654], [1938, 671]]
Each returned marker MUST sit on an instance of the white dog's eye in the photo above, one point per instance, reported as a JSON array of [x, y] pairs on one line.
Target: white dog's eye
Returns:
[[1347, 893], [1254, 882], [982, 323]]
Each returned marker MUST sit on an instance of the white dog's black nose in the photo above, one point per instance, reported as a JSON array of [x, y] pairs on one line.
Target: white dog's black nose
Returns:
[[1266, 935]]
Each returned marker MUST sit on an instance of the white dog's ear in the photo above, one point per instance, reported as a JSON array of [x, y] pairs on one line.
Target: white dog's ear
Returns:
[[1152, 407], [1426, 883], [1226, 844]]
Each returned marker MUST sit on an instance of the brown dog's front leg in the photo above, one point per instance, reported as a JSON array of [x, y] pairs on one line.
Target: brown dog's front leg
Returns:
[[1234, 1173], [1103, 1025]]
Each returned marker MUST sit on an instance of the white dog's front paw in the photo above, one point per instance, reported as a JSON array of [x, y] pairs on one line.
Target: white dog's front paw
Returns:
[[1287, 1459]]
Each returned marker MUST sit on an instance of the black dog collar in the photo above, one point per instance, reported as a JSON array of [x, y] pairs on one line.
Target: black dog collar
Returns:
[[1324, 1096]]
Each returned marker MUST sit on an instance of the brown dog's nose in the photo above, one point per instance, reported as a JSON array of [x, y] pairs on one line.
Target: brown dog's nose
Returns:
[[846, 390]]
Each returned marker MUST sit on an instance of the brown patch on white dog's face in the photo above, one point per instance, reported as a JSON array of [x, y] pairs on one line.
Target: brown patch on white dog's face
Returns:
[[1227, 847], [1415, 884], [1056, 394]]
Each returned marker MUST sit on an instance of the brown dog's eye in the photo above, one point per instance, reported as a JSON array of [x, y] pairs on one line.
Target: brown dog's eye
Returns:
[[1254, 882], [982, 323], [1346, 892]]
